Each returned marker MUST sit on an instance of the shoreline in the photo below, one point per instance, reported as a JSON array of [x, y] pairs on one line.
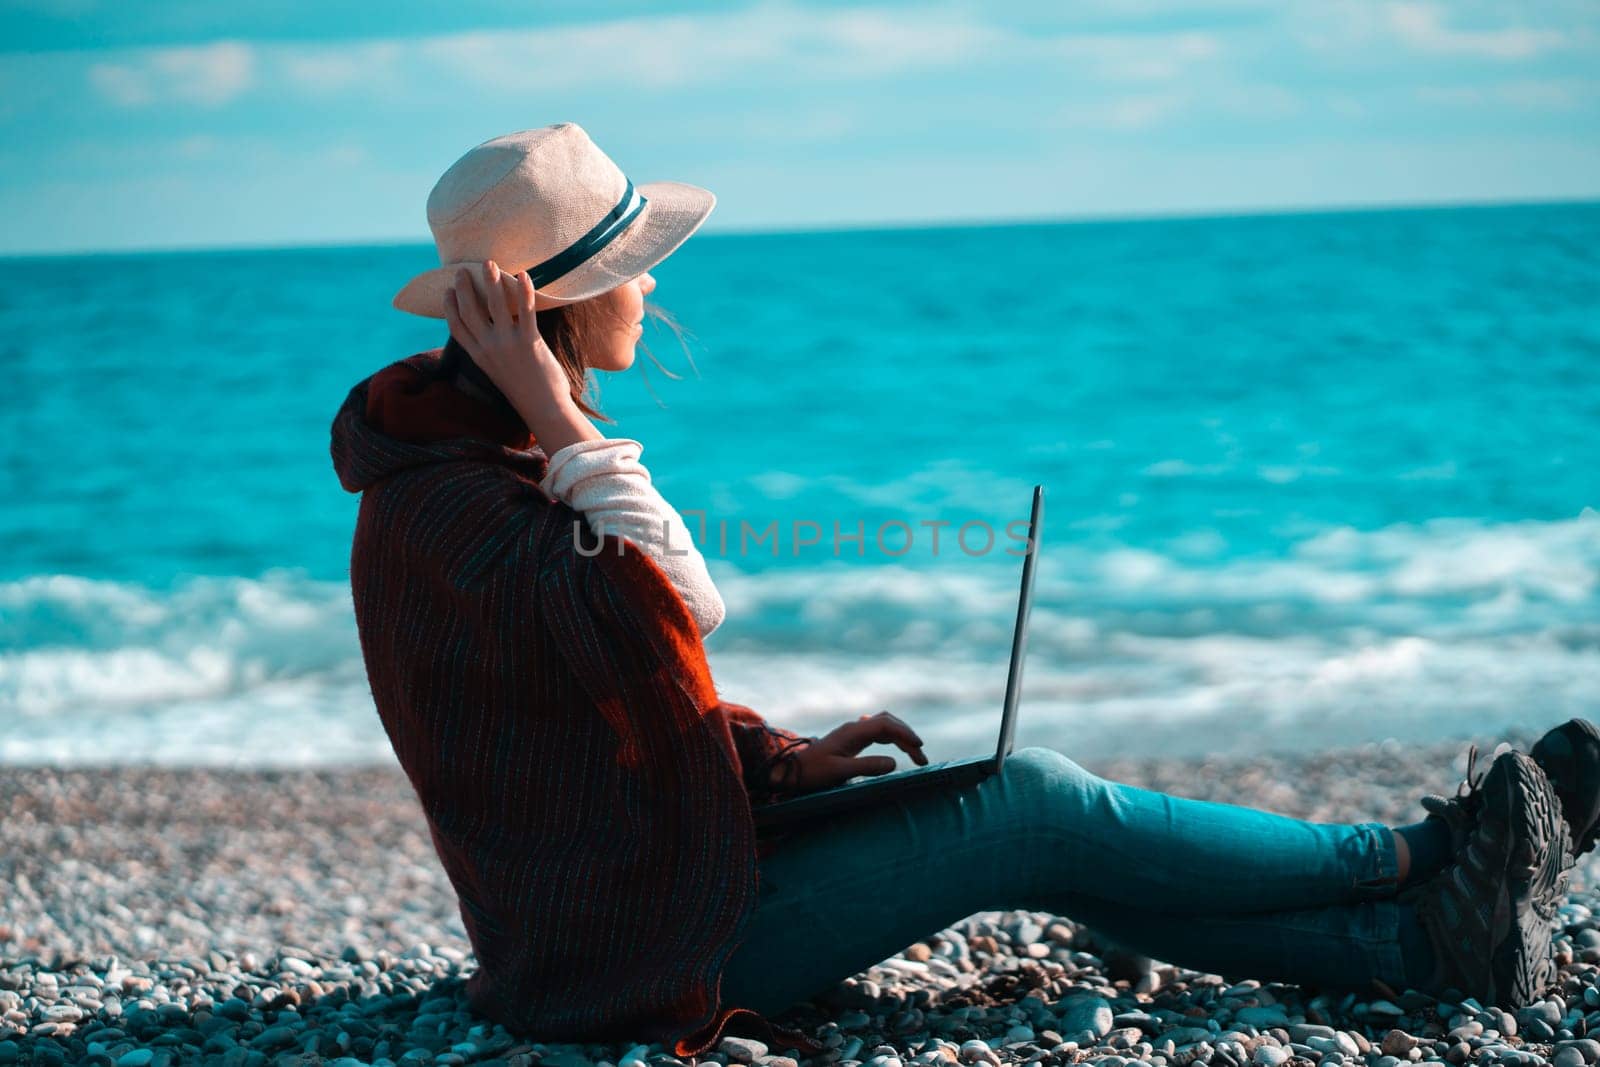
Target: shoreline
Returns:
[[271, 915]]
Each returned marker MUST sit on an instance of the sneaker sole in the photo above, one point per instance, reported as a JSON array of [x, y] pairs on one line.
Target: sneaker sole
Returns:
[[1575, 774], [1536, 874]]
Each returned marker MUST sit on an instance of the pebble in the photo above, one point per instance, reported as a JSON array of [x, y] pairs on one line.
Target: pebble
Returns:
[[276, 955], [1302, 1031], [1086, 1013], [1324, 1046], [1588, 1048], [1262, 1016], [742, 1049], [1398, 1043], [976, 1051], [1546, 1011], [567, 1059], [1183, 1035]]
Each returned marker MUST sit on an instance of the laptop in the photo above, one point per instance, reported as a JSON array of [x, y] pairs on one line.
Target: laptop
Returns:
[[811, 808]]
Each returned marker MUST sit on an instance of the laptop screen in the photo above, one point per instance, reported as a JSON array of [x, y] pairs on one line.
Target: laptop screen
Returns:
[[1019, 636]]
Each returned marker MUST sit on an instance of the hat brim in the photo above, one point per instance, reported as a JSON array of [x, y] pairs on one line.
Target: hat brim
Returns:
[[673, 212]]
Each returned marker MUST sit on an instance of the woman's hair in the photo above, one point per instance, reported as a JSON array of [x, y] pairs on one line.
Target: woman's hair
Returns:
[[571, 331]]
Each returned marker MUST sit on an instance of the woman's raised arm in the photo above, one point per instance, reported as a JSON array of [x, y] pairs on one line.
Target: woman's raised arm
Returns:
[[604, 481]]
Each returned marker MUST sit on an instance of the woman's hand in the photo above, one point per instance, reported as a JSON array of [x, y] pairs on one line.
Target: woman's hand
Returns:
[[501, 333], [832, 760]]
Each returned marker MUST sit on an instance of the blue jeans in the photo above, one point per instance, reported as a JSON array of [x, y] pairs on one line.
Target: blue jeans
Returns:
[[1219, 888]]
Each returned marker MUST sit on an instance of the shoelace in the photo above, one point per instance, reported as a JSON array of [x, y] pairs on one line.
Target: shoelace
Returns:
[[1469, 785], [1460, 811]]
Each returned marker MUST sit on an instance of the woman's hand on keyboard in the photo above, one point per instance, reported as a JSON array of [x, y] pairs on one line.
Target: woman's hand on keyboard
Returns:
[[834, 758]]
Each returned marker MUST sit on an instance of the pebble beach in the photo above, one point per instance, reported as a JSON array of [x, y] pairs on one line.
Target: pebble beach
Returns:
[[246, 917]]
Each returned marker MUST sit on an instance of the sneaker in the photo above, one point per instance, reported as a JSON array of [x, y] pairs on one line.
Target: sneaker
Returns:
[[1570, 756], [1489, 915]]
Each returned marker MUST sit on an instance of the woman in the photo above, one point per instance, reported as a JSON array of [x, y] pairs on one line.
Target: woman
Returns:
[[531, 614]]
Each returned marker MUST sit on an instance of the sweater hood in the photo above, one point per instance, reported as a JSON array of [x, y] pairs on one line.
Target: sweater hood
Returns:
[[403, 417]]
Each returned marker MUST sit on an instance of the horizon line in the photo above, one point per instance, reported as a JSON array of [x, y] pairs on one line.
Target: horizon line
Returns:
[[1181, 214]]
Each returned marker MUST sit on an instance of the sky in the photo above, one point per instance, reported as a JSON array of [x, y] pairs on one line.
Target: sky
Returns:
[[193, 123]]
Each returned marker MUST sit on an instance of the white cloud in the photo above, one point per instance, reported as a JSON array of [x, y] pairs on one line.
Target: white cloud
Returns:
[[888, 40], [1362, 30], [347, 155], [1136, 111], [1422, 25], [209, 75], [768, 124], [1141, 111], [774, 41], [1529, 94], [1130, 57], [199, 146], [1257, 101], [332, 69], [121, 84], [88, 157], [668, 51], [1347, 106], [1046, 74]]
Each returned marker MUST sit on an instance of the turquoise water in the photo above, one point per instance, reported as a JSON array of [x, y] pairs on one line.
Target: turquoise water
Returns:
[[1310, 479]]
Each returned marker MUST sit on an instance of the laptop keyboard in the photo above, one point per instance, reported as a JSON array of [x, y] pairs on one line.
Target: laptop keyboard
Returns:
[[901, 773]]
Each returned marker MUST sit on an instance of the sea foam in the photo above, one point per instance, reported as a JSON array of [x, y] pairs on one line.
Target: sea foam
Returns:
[[1410, 631]]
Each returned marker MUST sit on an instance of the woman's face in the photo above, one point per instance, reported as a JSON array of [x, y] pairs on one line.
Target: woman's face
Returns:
[[614, 349]]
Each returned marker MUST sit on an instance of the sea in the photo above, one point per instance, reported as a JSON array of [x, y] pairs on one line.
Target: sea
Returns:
[[1310, 480]]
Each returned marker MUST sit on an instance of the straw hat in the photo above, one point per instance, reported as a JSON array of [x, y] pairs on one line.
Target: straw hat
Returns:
[[550, 202]]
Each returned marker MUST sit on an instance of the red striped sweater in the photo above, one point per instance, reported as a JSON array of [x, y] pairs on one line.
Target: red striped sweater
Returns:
[[586, 789]]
